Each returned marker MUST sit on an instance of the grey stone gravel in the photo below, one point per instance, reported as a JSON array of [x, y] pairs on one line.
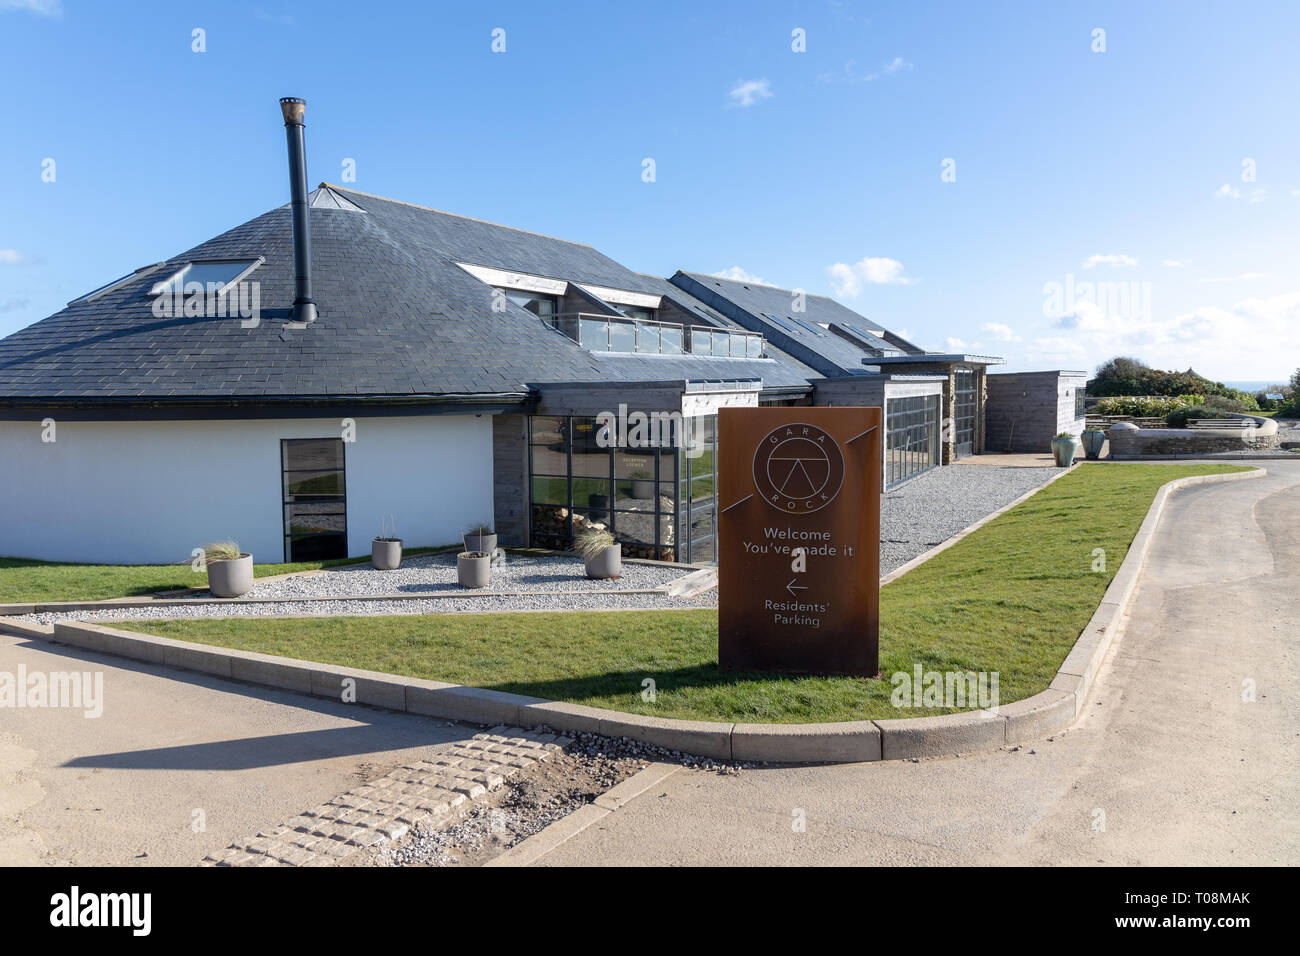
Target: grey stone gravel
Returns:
[[436, 574], [932, 507], [915, 517], [499, 603]]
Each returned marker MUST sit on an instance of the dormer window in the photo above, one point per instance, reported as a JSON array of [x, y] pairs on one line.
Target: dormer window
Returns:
[[544, 306], [633, 312]]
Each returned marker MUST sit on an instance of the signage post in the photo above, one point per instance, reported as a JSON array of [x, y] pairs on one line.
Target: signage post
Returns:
[[799, 539]]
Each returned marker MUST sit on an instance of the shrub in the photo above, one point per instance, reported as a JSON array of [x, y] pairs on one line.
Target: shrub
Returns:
[[1179, 417], [1221, 404], [1129, 376], [1140, 406], [1289, 408]]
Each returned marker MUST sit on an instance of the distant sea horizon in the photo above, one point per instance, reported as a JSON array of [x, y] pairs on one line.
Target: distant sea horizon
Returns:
[[1258, 384]]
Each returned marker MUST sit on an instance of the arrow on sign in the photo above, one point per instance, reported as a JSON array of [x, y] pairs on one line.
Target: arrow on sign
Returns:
[[792, 587]]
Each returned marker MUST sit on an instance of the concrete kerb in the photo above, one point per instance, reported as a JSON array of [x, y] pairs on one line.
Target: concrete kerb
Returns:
[[539, 844], [850, 741]]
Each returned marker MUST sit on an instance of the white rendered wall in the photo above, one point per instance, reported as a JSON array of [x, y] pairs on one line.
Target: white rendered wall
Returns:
[[151, 492]]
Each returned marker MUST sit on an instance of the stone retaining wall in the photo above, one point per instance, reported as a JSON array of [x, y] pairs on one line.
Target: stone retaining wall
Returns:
[[1130, 441]]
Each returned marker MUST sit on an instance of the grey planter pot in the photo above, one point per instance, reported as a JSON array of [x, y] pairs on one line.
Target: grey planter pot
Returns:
[[481, 542], [230, 579], [1063, 449], [386, 555], [1093, 439], [643, 488], [474, 569], [607, 564]]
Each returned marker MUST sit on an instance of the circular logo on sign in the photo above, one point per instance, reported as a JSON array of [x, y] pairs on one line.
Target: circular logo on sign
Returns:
[[798, 468]]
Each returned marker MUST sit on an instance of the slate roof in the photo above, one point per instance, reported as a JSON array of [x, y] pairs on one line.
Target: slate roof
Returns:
[[843, 349], [399, 321]]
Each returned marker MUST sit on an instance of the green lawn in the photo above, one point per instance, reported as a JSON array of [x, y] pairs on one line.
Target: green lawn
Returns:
[[23, 581], [1011, 598]]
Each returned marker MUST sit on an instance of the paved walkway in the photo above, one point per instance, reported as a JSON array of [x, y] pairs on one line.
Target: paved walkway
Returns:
[[179, 765], [1169, 765], [1010, 460]]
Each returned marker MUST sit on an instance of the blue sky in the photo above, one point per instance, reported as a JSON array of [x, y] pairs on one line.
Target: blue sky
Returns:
[[1161, 174]]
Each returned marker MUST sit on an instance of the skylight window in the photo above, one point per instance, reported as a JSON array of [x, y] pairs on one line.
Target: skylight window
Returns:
[[116, 283], [218, 273], [781, 322], [808, 325]]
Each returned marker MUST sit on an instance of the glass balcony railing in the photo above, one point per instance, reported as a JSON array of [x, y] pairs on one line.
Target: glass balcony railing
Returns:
[[612, 333]]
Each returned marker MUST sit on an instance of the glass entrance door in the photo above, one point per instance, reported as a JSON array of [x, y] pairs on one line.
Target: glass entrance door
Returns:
[[315, 499], [964, 413]]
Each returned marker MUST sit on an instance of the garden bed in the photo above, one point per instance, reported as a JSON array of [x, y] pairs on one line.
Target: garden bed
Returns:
[[1012, 597]]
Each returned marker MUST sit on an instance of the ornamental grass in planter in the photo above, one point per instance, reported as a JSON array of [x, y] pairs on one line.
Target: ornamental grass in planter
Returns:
[[600, 553], [481, 537], [230, 571], [386, 547]]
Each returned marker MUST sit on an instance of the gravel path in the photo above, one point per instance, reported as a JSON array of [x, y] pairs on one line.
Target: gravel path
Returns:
[[932, 507]]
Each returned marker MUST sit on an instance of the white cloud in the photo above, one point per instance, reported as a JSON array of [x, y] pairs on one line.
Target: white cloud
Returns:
[[1244, 340], [1227, 191], [1258, 194], [1176, 263], [1241, 277], [850, 74], [1111, 260], [46, 8], [12, 257], [1000, 331], [849, 279], [737, 274], [749, 92]]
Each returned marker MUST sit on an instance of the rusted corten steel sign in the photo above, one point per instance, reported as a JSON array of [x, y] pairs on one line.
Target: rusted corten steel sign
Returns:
[[799, 478]]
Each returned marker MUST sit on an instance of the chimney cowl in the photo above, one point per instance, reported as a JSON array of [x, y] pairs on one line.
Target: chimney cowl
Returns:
[[294, 109]]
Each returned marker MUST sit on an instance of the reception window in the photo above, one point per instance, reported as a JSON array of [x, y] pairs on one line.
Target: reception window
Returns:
[[653, 497]]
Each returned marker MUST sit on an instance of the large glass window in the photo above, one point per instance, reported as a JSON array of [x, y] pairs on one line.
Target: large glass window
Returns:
[[315, 499], [964, 412], [911, 437], [656, 499]]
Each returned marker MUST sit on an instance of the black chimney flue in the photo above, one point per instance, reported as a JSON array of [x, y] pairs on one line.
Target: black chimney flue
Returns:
[[293, 108]]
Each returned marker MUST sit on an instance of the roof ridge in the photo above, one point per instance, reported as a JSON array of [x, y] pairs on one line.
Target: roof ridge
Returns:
[[443, 212], [761, 285]]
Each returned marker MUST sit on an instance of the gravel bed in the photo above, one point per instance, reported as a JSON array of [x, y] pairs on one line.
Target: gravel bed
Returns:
[[527, 804], [931, 508], [498, 603], [915, 517], [436, 574]]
